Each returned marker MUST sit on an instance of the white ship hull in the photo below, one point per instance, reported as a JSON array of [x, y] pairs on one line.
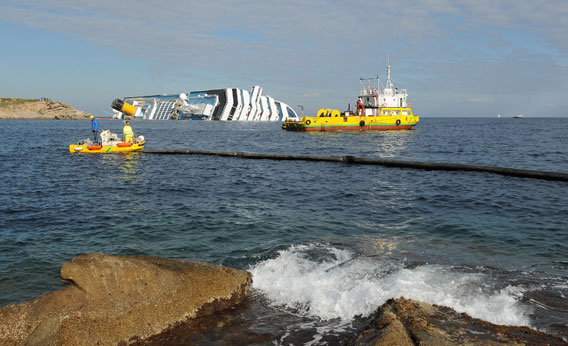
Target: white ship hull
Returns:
[[229, 104]]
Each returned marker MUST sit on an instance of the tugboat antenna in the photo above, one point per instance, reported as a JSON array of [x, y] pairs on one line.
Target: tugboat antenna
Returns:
[[389, 83]]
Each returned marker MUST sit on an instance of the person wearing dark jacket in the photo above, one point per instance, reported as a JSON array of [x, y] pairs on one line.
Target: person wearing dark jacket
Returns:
[[95, 128]]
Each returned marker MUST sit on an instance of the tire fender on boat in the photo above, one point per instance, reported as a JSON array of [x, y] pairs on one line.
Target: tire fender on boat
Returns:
[[397, 122], [308, 122], [362, 123]]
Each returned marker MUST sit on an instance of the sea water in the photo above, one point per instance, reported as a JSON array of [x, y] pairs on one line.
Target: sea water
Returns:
[[327, 243]]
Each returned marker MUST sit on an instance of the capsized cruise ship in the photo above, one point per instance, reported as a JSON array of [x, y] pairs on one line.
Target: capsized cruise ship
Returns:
[[230, 104]]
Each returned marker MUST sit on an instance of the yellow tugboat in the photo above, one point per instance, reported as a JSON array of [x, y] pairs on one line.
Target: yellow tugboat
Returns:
[[378, 109], [110, 144]]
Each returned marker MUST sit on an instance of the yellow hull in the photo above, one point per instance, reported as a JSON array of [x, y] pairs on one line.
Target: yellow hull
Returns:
[[405, 120], [84, 149]]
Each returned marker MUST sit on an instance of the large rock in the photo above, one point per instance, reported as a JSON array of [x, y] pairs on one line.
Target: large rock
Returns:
[[403, 322], [113, 300]]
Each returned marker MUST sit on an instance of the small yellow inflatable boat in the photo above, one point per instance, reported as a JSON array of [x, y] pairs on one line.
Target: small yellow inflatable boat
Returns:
[[110, 144], [103, 149]]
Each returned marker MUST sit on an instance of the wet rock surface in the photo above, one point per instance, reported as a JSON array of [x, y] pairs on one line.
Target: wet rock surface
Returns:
[[397, 322], [408, 322], [122, 300]]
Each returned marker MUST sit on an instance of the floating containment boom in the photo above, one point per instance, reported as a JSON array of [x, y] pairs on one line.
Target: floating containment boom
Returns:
[[512, 172]]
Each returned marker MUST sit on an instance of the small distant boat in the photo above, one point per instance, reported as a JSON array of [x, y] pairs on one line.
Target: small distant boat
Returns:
[[110, 144], [498, 115], [518, 116]]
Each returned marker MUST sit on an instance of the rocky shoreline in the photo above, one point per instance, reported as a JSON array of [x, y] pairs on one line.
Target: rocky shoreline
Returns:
[[146, 300], [34, 109]]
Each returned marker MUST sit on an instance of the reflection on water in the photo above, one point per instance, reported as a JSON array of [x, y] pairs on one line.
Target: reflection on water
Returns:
[[384, 144], [126, 163], [119, 178], [392, 144], [130, 167]]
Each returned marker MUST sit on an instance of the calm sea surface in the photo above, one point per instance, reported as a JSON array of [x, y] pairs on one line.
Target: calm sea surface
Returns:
[[327, 243]]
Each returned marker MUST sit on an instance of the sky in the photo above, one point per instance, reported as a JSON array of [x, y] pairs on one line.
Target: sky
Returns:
[[462, 58]]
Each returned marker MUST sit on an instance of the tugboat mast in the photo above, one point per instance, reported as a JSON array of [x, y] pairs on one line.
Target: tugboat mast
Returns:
[[389, 83]]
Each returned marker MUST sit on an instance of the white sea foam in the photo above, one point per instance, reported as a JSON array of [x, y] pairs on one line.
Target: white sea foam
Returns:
[[326, 282]]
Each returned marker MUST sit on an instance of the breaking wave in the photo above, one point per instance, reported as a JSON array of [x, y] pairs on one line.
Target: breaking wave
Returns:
[[326, 282]]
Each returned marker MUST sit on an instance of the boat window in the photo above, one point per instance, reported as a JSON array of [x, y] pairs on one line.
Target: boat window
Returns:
[[405, 112], [395, 112], [385, 112]]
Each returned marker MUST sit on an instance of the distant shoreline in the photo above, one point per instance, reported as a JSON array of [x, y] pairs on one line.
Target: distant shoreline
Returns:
[[38, 109], [40, 117]]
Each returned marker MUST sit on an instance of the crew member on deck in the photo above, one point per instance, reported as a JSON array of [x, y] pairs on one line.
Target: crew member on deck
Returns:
[[128, 133], [95, 128]]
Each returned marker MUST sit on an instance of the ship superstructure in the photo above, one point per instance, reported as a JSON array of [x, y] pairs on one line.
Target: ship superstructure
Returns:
[[373, 95], [231, 104]]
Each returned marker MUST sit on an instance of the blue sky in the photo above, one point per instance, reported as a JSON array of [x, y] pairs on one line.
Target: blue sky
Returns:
[[456, 58]]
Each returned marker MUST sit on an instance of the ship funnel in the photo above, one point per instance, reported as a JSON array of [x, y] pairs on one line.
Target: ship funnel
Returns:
[[123, 107]]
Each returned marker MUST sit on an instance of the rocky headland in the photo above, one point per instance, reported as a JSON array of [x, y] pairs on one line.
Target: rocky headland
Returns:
[[35, 109], [145, 300]]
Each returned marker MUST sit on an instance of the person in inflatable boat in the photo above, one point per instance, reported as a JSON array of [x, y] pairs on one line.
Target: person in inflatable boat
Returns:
[[95, 128], [128, 133]]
